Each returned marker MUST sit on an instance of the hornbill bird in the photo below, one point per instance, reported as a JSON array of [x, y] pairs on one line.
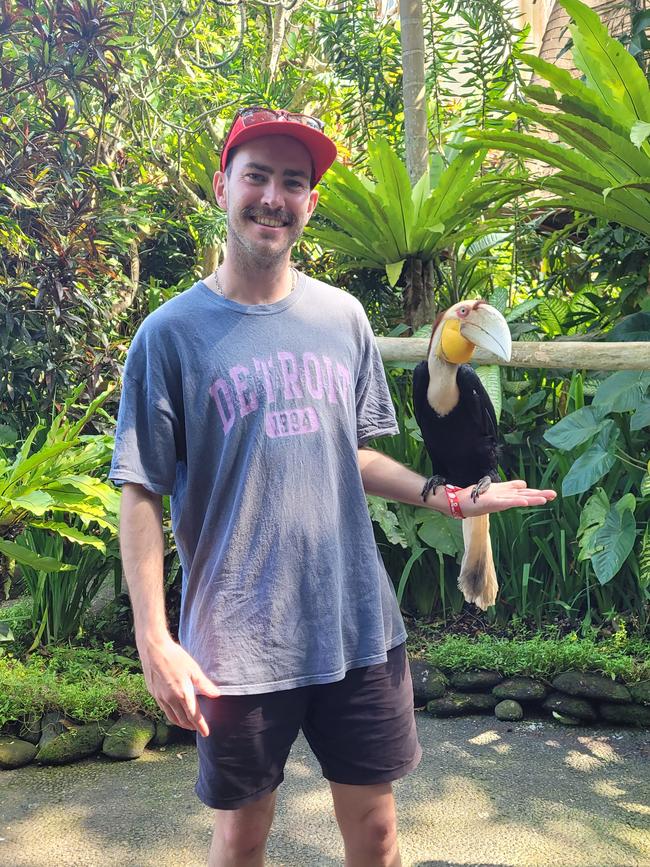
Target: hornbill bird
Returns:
[[459, 427]]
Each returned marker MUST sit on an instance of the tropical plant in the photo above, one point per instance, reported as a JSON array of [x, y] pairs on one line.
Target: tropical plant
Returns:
[[61, 599], [390, 226], [606, 435], [43, 486], [601, 159]]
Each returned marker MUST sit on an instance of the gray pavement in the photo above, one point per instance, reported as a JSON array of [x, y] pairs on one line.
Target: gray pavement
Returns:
[[487, 794]]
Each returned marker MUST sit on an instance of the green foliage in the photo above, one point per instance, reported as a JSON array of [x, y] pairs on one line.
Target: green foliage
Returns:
[[83, 684], [380, 225], [601, 159], [542, 656], [39, 487]]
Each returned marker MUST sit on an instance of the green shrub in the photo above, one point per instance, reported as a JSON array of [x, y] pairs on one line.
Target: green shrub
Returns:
[[618, 656], [85, 685]]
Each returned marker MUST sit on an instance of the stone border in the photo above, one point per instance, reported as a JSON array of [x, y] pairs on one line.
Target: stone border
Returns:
[[571, 698]]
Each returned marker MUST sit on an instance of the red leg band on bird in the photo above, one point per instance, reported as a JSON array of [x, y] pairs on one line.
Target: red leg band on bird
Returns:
[[452, 499]]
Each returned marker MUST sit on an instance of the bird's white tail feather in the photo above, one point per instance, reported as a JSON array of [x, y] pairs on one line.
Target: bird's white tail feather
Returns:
[[478, 578]]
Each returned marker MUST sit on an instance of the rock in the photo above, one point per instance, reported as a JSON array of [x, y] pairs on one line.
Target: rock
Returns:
[[15, 753], [128, 737], [568, 705], [629, 714], [475, 681], [458, 703], [52, 725], [520, 689], [162, 735], [640, 692], [509, 710], [76, 743], [428, 682], [566, 720], [30, 729], [589, 685]]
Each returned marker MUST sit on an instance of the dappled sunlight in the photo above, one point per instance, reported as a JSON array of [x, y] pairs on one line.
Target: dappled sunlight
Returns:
[[601, 748], [607, 788], [582, 761], [487, 737], [642, 809], [502, 749]]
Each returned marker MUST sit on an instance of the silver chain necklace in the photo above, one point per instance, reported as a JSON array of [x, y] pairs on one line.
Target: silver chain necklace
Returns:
[[219, 288]]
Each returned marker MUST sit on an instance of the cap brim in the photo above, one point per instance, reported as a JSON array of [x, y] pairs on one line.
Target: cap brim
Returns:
[[321, 148]]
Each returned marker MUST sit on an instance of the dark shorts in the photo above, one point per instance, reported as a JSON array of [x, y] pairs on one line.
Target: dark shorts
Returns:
[[361, 729]]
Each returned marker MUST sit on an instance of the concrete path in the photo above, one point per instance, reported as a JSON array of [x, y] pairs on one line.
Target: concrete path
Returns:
[[487, 794]]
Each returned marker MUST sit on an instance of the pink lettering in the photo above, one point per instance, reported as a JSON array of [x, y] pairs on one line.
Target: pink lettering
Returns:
[[313, 375], [246, 396], [220, 393], [329, 385], [292, 389], [263, 368]]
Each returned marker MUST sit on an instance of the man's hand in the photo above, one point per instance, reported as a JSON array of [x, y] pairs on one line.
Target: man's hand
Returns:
[[501, 496], [173, 678]]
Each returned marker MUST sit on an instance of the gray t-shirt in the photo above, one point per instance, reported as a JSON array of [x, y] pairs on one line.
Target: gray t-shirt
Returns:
[[250, 417]]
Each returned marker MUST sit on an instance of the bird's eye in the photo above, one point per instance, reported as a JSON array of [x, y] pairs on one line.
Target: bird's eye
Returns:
[[462, 311]]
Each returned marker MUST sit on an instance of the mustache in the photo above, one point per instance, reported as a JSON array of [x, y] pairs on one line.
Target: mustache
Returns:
[[282, 215]]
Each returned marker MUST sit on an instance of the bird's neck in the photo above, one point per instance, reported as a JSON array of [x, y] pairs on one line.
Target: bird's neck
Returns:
[[442, 394]]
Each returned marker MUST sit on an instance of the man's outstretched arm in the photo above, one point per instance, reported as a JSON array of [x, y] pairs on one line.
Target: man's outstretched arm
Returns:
[[391, 480], [173, 678]]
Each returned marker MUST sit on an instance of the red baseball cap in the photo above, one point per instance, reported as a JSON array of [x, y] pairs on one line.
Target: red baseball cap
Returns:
[[252, 123]]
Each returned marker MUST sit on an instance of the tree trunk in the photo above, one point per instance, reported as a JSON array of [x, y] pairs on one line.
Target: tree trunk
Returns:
[[418, 302], [414, 89], [418, 292]]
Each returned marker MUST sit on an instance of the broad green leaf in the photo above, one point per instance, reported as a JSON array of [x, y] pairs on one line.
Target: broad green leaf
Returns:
[[622, 391], [387, 520], [36, 502], [576, 428], [641, 417], [490, 376], [609, 68], [645, 484], [613, 542], [593, 464], [394, 187], [23, 555], [592, 518], [442, 533], [71, 533], [394, 271]]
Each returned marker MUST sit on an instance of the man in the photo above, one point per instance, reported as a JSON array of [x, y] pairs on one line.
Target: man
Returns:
[[250, 399]]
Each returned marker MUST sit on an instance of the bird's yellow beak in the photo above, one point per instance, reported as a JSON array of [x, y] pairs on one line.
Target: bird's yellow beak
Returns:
[[486, 328]]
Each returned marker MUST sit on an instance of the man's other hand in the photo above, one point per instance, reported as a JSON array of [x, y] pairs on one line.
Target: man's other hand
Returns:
[[501, 496], [173, 678]]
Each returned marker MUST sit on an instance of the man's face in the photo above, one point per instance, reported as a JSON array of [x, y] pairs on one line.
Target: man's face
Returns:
[[266, 194]]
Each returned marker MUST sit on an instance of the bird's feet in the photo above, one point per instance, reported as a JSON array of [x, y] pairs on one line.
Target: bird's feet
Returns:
[[432, 484], [480, 488]]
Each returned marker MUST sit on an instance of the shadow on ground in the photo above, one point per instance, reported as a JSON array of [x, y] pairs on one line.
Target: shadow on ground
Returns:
[[487, 794]]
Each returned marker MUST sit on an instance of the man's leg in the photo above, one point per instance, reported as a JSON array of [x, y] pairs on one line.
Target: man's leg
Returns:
[[239, 837], [368, 823]]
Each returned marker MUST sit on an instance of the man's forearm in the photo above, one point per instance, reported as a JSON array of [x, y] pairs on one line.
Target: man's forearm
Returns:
[[391, 480], [142, 547]]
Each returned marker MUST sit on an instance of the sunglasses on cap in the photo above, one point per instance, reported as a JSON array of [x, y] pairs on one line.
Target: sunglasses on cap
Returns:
[[259, 114]]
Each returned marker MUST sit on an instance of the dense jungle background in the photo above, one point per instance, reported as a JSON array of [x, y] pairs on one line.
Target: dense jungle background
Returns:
[[472, 169]]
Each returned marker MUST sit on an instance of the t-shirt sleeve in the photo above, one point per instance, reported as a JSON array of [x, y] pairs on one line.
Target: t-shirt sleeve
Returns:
[[149, 439], [375, 411]]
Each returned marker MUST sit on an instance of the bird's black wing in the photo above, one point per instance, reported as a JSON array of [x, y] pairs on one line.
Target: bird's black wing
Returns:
[[462, 445]]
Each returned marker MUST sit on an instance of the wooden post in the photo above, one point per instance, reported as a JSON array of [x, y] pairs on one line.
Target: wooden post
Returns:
[[567, 354]]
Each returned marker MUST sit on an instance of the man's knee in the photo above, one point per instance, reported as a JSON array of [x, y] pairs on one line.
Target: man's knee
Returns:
[[241, 834], [378, 833]]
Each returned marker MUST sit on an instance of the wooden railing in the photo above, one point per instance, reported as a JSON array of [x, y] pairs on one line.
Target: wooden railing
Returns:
[[570, 354]]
